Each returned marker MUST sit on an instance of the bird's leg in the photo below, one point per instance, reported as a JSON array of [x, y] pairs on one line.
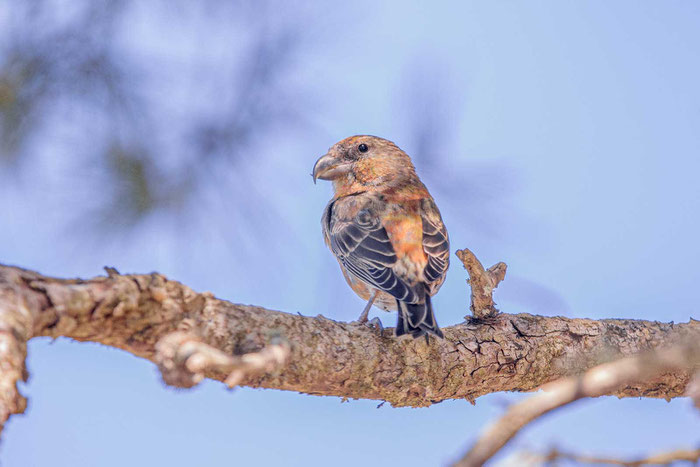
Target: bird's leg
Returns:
[[363, 316]]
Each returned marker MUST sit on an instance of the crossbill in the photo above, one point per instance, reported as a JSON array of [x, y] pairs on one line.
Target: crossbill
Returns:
[[385, 230]]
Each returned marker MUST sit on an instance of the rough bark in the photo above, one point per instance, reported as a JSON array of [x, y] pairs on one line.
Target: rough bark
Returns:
[[15, 330], [504, 353], [595, 382]]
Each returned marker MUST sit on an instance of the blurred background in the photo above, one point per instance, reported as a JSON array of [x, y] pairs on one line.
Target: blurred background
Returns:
[[560, 137]]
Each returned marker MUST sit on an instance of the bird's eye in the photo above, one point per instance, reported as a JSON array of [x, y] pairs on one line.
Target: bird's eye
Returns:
[[363, 147]]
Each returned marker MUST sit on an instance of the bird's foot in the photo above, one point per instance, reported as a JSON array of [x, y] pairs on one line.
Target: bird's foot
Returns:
[[376, 325]]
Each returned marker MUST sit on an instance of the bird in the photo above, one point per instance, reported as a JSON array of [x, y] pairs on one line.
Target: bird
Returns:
[[385, 230]]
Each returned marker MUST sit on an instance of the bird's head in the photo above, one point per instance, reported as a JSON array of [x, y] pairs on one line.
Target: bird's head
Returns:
[[363, 161]]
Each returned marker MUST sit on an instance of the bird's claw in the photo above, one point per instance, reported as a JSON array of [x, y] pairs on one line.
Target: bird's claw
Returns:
[[375, 324]]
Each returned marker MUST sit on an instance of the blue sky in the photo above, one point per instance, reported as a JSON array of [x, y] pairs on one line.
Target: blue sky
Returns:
[[574, 141]]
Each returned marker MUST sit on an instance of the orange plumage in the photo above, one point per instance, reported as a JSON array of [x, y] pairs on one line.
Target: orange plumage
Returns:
[[385, 230]]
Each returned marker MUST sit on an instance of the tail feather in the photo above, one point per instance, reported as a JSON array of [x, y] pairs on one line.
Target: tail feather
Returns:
[[400, 324], [417, 319]]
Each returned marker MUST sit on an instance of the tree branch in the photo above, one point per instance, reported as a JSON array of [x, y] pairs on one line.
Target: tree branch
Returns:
[[16, 321], [596, 382], [505, 353], [183, 359], [665, 458]]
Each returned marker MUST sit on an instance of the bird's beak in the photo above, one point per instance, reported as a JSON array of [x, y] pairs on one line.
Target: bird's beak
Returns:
[[328, 167]]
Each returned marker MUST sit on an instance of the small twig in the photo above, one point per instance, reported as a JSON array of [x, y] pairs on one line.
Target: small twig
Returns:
[[665, 458], [598, 381], [111, 271], [183, 359], [482, 282], [693, 390]]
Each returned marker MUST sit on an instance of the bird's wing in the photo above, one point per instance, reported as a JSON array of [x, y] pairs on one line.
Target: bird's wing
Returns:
[[362, 245], [436, 245]]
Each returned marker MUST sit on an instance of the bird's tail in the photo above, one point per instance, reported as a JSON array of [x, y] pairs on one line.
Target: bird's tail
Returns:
[[417, 319]]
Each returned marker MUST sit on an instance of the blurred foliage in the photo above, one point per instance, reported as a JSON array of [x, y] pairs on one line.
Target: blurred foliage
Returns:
[[48, 60], [74, 84], [430, 110]]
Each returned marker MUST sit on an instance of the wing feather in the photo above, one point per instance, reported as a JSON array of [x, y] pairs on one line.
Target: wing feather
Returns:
[[363, 247], [436, 245]]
